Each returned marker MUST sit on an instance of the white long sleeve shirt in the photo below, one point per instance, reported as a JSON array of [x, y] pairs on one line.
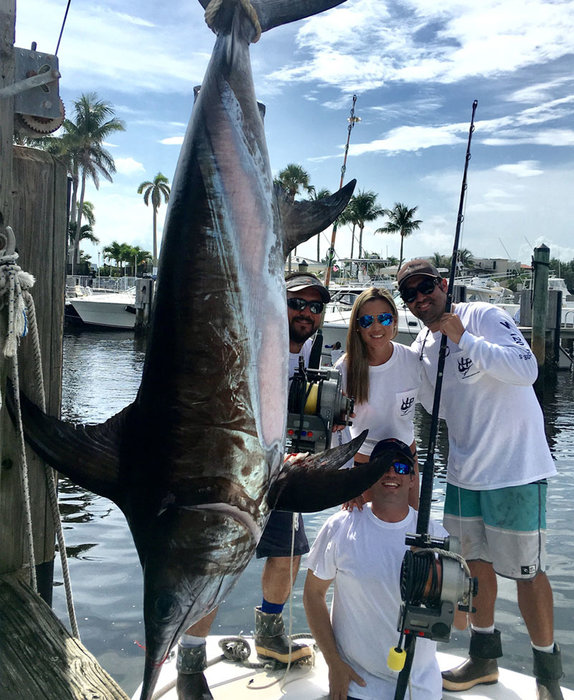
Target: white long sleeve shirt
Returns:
[[495, 423]]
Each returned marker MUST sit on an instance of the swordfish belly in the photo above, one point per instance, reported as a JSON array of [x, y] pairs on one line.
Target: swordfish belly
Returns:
[[218, 347]]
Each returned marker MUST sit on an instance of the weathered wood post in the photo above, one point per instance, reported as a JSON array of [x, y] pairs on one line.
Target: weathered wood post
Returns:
[[540, 262]]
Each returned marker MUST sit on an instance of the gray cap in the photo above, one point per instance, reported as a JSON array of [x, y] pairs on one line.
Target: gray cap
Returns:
[[297, 282], [416, 267]]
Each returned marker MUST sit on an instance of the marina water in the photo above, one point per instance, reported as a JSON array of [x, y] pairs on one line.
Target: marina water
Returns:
[[101, 375]]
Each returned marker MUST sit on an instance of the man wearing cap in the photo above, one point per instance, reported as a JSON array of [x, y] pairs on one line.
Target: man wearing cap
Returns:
[[361, 553], [306, 297], [498, 465]]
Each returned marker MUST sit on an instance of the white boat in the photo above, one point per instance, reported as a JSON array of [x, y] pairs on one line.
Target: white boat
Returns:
[[234, 680], [105, 309]]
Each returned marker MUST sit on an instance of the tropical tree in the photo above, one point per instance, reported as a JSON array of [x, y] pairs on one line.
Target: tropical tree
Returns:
[[81, 148], [362, 208], [86, 230], [294, 178], [400, 220], [155, 191], [115, 251], [465, 258], [439, 260]]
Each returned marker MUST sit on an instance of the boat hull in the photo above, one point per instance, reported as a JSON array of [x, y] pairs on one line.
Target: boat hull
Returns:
[[106, 310]]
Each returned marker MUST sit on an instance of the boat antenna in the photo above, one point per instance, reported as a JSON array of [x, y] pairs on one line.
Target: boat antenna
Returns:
[[422, 538], [352, 119]]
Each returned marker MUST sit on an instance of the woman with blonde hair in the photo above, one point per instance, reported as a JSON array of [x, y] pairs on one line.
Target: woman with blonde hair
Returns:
[[382, 376]]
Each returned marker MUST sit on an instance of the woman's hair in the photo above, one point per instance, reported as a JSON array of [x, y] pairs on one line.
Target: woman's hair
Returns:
[[357, 358]]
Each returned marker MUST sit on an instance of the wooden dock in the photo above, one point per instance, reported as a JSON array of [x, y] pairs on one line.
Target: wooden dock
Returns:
[[38, 656]]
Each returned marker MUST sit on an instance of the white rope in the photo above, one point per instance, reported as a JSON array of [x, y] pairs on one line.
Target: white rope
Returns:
[[213, 8], [21, 314]]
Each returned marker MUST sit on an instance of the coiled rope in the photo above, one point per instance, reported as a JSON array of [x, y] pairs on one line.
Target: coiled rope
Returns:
[[14, 286], [214, 6]]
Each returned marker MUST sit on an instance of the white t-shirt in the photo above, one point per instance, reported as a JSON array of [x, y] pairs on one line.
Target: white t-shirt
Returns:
[[364, 555], [305, 352], [393, 391], [495, 424]]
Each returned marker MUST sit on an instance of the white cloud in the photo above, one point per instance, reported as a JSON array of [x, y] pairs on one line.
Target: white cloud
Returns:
[[128, 166], [525, 168]]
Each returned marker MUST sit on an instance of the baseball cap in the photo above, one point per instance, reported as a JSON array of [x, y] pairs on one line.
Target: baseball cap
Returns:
[[416, 267], [396, 447], [296, 283]]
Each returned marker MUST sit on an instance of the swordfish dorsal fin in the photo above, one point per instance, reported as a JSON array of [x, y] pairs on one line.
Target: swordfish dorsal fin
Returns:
[[301, 220], [318, 482], [88, 454], [273, 13]]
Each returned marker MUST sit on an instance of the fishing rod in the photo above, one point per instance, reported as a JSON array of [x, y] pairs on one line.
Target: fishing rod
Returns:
[[413, 619]]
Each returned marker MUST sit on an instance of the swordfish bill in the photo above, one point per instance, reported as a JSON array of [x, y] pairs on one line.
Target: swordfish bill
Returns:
[[192, 460]]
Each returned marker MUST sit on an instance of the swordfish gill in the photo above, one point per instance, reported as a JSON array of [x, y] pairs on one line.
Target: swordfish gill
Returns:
[[194, 461]]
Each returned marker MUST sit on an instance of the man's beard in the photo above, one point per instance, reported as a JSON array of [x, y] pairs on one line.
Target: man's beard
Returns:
[[300, 336]]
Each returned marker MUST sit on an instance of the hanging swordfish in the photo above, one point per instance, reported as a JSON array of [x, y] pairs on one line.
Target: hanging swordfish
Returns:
[[195, 462]]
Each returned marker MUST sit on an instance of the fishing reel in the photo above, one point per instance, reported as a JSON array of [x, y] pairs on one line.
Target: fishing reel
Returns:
[[434, 581], [316, 403]]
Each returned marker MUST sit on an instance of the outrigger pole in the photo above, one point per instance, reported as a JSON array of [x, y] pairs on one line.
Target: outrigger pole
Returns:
[[352, 119], [423, 538]]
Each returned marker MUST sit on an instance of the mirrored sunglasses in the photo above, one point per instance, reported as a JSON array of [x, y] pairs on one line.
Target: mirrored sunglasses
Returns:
[[368, 319], [401, 468], [297, 304], [409, 294]]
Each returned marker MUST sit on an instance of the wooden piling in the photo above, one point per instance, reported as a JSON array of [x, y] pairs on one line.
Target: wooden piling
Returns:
[[541, 263], [38, 657]]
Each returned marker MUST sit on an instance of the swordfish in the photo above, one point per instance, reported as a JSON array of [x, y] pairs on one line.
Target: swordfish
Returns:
[[194, 461]]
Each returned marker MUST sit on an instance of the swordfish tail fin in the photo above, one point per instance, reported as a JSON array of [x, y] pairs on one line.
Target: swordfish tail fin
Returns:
[[273, 13], [89, 455], [318, 482]]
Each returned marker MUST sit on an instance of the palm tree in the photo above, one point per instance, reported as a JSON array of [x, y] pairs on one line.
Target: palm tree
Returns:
[[292, 179], [155, 190], [400, 221], [115, 252], [363, 207], [86, 230], [82, 150]]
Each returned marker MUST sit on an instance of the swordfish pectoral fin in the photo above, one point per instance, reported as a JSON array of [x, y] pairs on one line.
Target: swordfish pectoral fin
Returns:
[[89, 455], [317, 482], [304, 219]]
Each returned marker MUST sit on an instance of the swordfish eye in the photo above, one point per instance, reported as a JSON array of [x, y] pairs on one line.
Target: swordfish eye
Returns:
[[165, 606]]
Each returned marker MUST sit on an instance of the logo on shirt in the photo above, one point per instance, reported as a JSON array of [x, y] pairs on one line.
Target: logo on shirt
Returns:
[[464, 365], [406, 404]]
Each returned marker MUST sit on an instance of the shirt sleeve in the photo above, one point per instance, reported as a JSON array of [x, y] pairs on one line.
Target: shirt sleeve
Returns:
[[500, 350], [322, 557]]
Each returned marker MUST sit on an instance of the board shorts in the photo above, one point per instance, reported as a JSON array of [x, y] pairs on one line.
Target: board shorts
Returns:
[[505, 527], [276, 538]]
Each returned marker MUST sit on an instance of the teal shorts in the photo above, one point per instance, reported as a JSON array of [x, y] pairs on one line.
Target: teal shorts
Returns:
[[506, 527]]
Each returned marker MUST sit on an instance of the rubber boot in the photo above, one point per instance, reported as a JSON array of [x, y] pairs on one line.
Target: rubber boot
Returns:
[[547, 670], [481, 666], [191, 683], [271, 642]]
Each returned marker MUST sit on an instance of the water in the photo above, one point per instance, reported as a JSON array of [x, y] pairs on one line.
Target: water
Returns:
[[101, 375]]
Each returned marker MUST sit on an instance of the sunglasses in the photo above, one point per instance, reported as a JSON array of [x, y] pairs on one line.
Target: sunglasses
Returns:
[[401, 468], [409, 294], [368, 319], [297, 304]]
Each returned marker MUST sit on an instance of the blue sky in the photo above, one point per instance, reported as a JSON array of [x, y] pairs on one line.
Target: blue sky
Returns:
[[416, 67]]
